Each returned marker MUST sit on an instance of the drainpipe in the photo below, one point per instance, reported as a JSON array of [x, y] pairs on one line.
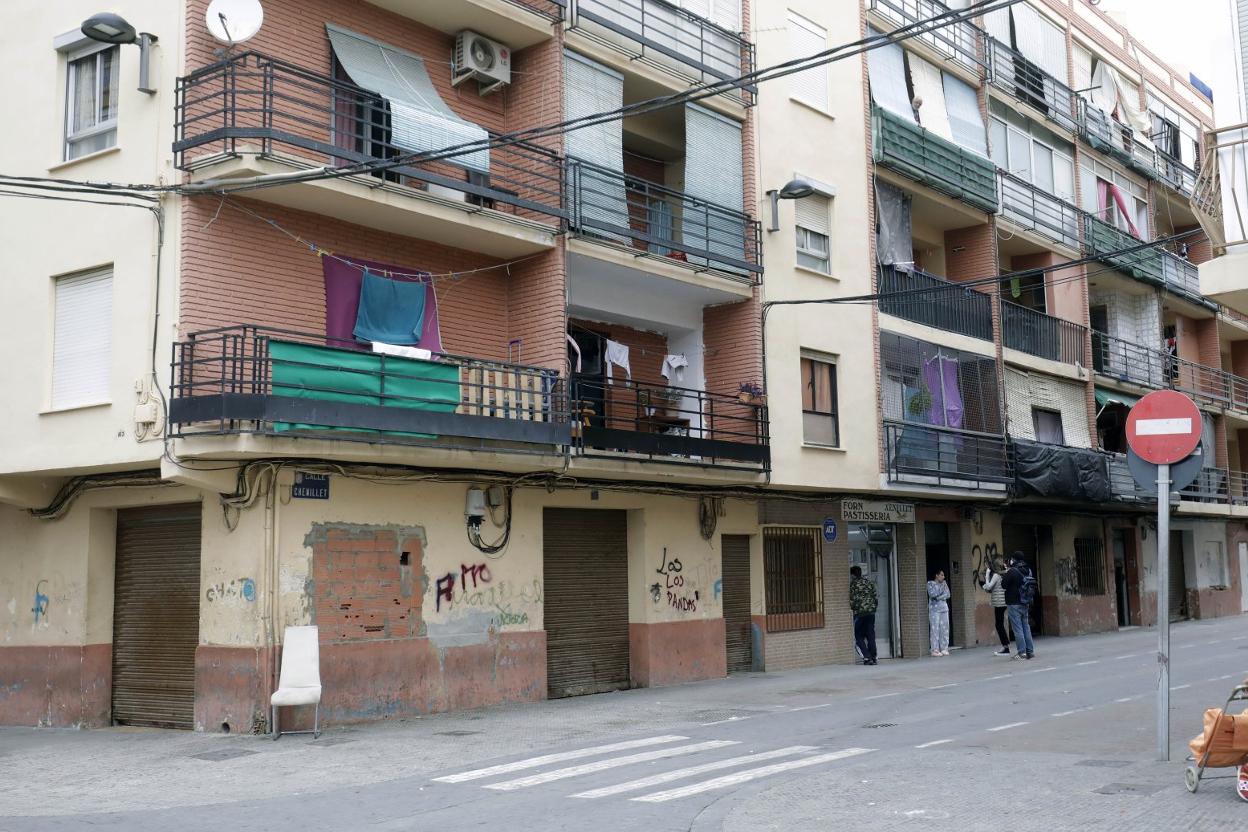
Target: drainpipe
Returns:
[[271, 588]]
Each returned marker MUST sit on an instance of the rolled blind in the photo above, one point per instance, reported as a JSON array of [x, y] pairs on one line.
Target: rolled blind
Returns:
[[965, 120], [82, 339], [812, 214], [930, 89], [886, 66], [590, 87], [806, 39], [997, 24], [714, 173]]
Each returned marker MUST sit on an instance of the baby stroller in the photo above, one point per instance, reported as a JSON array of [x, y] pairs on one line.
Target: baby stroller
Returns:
[[1222, 744]]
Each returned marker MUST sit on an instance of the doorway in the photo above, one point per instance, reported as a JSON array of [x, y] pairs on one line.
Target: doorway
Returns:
[[1121, 583], [589, 388], [1036, 544], [936, 548], [1178, 582], [871, 547], [738, 640]]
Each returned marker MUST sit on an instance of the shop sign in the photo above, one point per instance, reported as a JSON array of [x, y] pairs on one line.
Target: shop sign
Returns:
[[876, 511]]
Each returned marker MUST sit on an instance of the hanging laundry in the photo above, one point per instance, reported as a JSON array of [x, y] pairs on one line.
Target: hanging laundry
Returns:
[[343, 278], [391, 311], [402, 352], [674, 367], [617, 354], [576, 348]]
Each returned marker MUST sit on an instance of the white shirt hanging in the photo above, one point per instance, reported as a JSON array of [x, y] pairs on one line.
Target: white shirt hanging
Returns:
[[674, 367], [617, 354]]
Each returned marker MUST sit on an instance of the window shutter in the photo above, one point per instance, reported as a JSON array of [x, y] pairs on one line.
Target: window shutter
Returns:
[[965, 119], [886, 66], [812, 214], [997, 23], [590, 87], [713, 172], [726, 13], [1083, 69], [82, 339], [806, 39]]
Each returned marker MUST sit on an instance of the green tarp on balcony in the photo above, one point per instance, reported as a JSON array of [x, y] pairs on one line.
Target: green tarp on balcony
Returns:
[[925, 157], [1100, 238]]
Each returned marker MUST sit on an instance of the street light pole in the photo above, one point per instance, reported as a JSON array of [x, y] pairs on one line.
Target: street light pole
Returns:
[[1163, 612]]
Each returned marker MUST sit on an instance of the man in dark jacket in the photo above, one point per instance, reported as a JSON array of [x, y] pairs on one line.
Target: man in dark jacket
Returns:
[[863, 601], [1016, 581]]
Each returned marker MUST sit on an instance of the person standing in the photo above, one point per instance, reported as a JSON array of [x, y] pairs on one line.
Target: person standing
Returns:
[[1020, 593], [938, 613], [992, 585], [863, 602]]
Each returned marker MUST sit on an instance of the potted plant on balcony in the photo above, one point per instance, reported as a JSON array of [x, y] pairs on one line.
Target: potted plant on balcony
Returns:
[[750, 393], [920, 403]]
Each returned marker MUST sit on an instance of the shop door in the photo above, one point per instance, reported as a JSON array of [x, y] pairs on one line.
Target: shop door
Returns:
[[936, 548], [871, 547], [156, 616], [736, 600], [585, 555], [1178, 582], [1120, 578]]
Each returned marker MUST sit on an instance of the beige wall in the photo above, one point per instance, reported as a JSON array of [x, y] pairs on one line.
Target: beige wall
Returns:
[[43, 239], [795, 139]]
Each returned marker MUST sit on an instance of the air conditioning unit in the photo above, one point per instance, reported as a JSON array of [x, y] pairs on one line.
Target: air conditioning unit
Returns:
[[478, 57]]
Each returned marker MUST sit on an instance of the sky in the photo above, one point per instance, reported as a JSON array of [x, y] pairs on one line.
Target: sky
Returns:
[[1200, 40]]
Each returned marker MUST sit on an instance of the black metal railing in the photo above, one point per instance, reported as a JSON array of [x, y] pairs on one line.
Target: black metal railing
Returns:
[[1126, 361], [1041, 335], [669, 37], [1174, 173], [1027, 82], [1181, 277], [613, 206], [959, 41], [944, 456], [668, 424], [1209, 385], [251, 104], [933, 301], [1026, 206], [1111, 136], [250, 379], [1218, 485]]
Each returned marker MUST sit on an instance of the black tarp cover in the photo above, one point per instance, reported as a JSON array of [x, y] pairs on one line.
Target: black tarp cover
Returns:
[[1057, 471]]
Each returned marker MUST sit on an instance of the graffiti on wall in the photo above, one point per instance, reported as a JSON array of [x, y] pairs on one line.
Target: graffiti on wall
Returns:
[[1067, 571], [237, 589], [983, 556], [474, 587], [40, 609], [672, 587]]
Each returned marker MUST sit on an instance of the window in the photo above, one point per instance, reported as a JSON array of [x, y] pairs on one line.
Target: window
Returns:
[[91, 101], [809, 86], [820, 420], [813, 230], [1090, 565], [1048, 426], [1032, 153], [1099, 200], [82, 339], [793, 578]]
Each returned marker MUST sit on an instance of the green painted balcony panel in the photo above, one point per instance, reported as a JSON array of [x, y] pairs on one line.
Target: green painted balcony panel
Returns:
[[926, 158], [1099, 238]]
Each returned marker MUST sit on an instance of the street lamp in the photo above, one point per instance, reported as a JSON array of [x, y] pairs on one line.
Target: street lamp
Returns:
[[793, 189], [107, 27]]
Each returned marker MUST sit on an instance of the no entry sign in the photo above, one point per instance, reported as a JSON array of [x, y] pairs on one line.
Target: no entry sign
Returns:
[[1163, 427]]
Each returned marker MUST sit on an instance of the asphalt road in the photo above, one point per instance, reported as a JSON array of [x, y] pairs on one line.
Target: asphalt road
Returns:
[[972, 741]]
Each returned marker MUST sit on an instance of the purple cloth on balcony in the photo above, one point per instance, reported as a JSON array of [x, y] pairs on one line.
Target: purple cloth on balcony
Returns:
[[343, 279], [940, 375]]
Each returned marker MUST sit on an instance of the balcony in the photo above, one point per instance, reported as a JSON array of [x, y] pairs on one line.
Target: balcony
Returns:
[[1176, 175], [928, 455], [1116, 139], [933, 301], [661, 423], [1041, 335], [1219, 486], [1061, 472], [255, 380], [253, 115], [930, 160], [1125, 361], [1123, 485], [1210, 386], [958, 42], [612, 207], [1182, 278], [1028, 207], [666, 37], [1103, 241], [1028, 83]]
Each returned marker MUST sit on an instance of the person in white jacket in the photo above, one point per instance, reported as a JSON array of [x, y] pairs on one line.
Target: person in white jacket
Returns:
[[938, 613], [992, 585]]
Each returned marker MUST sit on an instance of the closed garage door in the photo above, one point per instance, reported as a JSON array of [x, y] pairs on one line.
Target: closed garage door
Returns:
[[737, 602], [156, 616], [586, 600]]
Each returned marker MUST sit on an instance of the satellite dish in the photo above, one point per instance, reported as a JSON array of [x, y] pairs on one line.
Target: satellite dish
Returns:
[[234, 21]]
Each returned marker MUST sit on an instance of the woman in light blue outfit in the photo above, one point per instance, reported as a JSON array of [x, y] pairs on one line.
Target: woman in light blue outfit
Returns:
[[938, 613]]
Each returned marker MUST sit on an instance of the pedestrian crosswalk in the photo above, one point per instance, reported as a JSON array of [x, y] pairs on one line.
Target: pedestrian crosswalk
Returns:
[[546, 768]]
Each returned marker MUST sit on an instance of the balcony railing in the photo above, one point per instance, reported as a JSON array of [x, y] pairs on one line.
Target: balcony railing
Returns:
[[254, 104], [1183, 278], [668, 424], [936, 302], [614, 206], [248, 379], [1111, 136], [668, 36], [1104, 241], [1174, 173], [1218, 485], [1027, 82], [1125, 361], [1041, 335], [927, 158], [959, 42], [1025, 205], [1123, 485], [1210, 385], [926, 454]]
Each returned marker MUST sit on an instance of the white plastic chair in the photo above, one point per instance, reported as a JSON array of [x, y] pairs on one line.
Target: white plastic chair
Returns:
[[300, 682]]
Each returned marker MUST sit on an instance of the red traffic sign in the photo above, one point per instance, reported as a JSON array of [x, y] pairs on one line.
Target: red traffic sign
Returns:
[[1163, 427]]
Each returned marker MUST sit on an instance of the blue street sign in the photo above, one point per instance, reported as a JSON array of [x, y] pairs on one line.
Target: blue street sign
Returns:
[[829, 530], [310, 486]]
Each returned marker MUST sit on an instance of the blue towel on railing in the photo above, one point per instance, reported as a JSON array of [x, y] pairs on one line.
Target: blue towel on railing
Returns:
[[391, 311]]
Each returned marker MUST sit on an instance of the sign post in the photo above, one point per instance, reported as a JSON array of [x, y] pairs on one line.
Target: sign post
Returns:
[[1163, 428]]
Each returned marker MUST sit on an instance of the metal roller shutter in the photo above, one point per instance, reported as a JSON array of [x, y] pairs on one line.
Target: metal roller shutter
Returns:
[[586, 599], [156, 616], [736, 555]]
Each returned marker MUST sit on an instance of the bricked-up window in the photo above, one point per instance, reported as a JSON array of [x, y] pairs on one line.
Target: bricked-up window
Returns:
[[820, 417], [793, 577], [1090, 565]]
